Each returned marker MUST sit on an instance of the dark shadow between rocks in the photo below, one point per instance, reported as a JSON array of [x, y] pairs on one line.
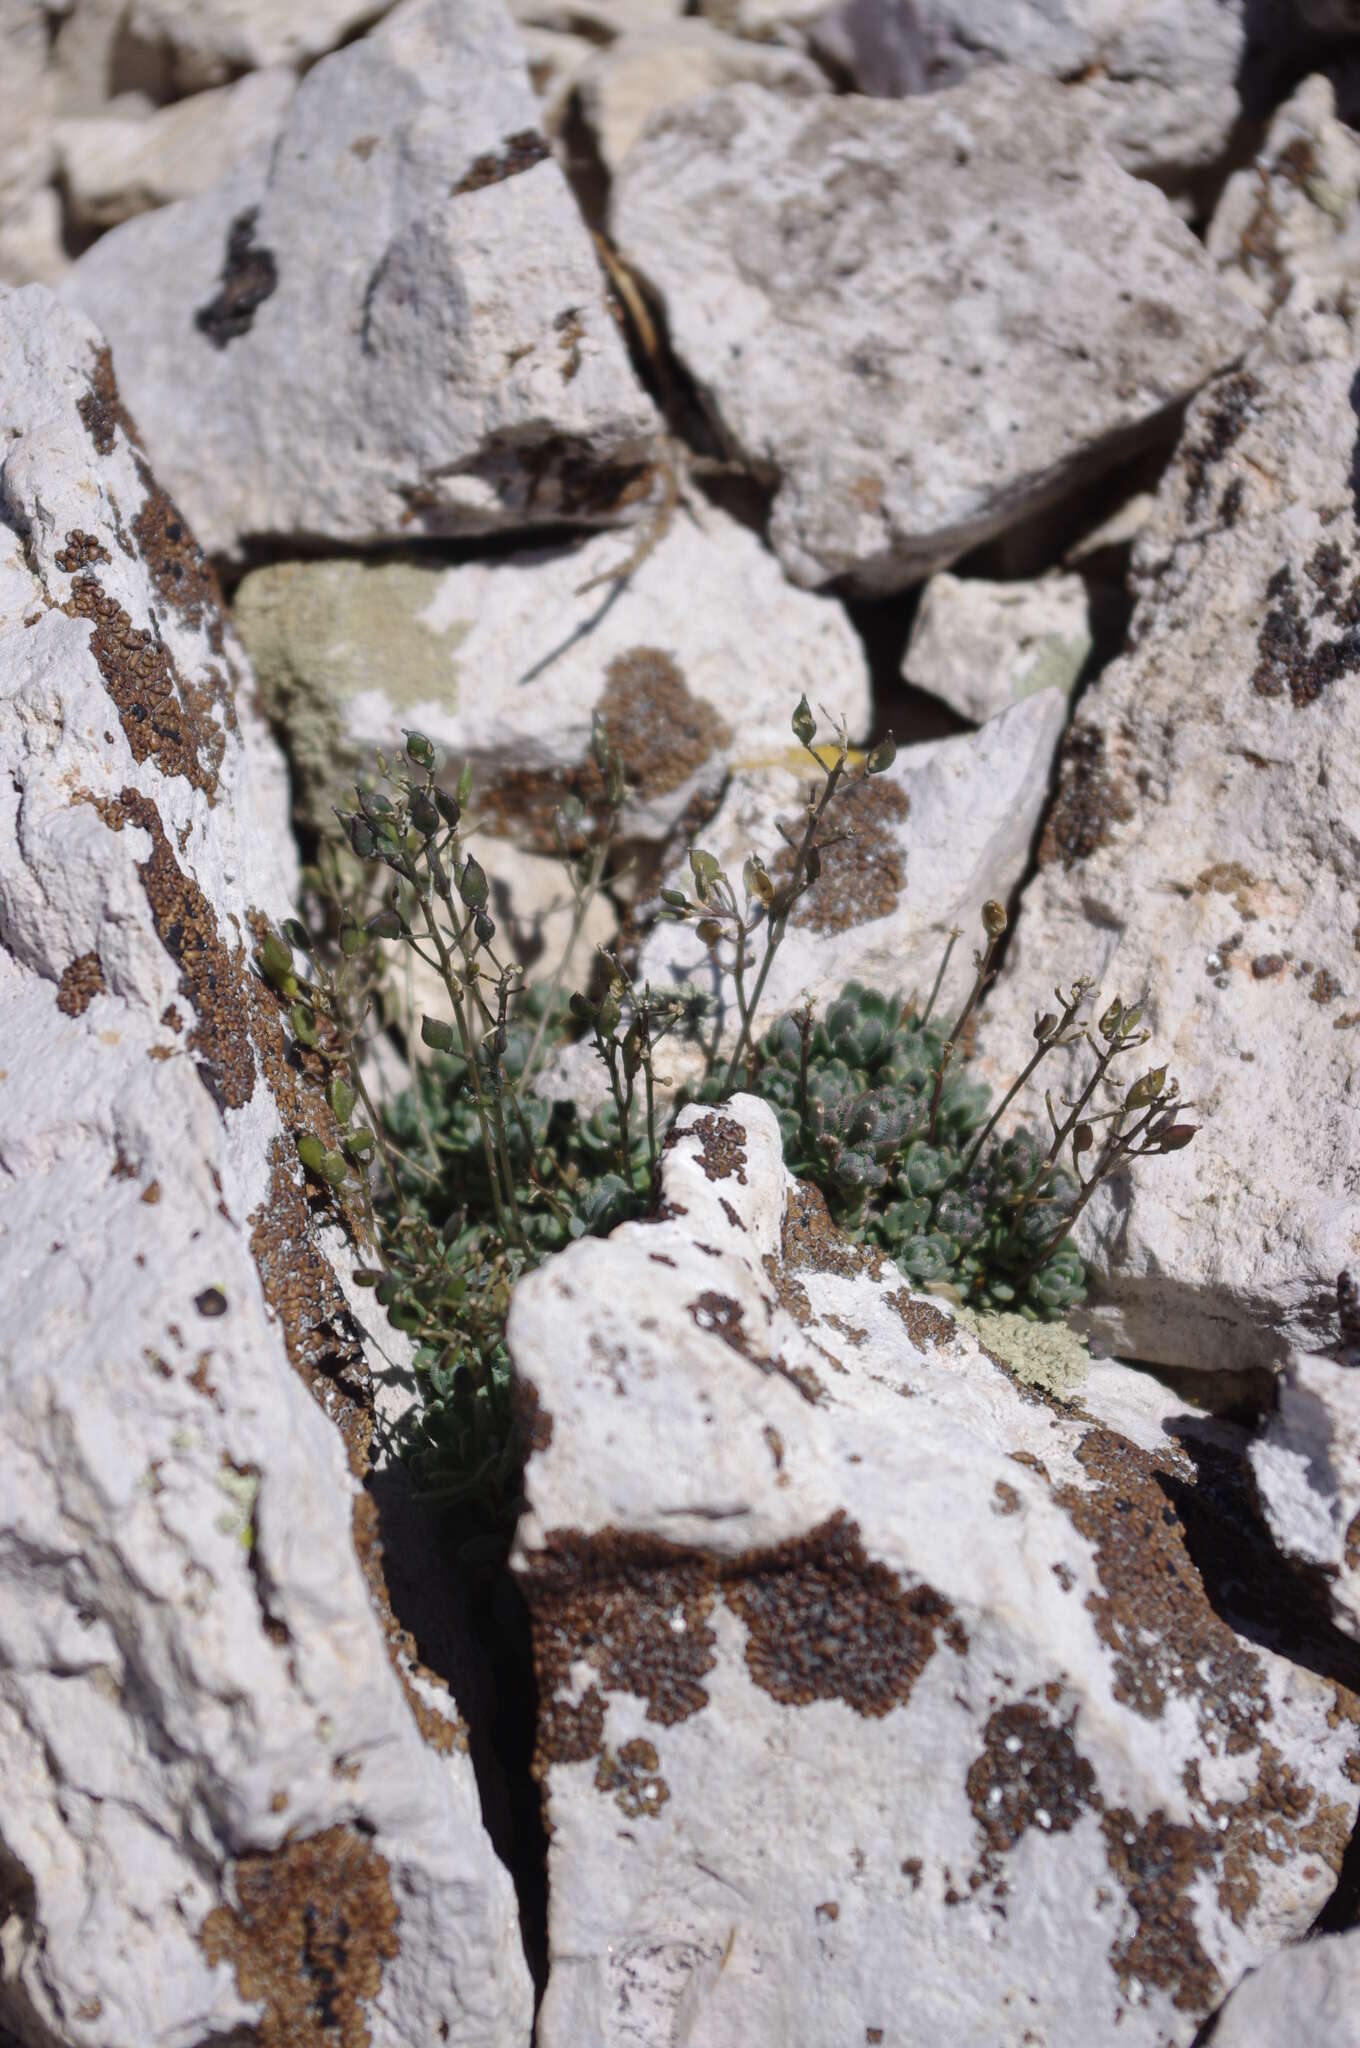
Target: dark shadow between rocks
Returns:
[[450, 1587]]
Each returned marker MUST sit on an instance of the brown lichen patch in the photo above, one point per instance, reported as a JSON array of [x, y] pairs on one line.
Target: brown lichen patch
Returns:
[[1156, 1861], [722, 1316], [1029, 1775], [101, 409], [80, 983], [636, 1610], [532, 1421], [825, 1622], [570, 334], [810, 1241], [81, 551], [1218, 427], [304, 1294], [1326, 988], [1351, 1550], [633, 1776], [166, 719], [1090, 803], [519, 152], [210, 977], [248, 277], [662, 733], [1153, 1610], [313, 1926], [1281, 1817], [443, 1732], [928, 1327], [788, 1292], [1289, 662], [1229, 878], [1005, 1499], [1266, 966], [862, 874], [722, 1156], [183, 576]]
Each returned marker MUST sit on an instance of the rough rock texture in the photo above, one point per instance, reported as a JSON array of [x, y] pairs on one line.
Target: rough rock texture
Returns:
[[1307, 1467], [878, 1700], [208, 42], [505, 661], [1158, 79], [980, 646], [115, 166], [638, 75], [904, 315], [1203, 846], [1309, 1993], [228, 1796], [1291, 221], [393, 325], [28, 245], [949, 825]]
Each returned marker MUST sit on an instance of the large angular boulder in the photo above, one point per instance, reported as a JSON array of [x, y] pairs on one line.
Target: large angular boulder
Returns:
[[1309, 1993], [1202, 848], [229, 1796], [1290, 222], [439, 358], [209, 42], [881, 1698], [505, 663], [903, 316], [980, 646]]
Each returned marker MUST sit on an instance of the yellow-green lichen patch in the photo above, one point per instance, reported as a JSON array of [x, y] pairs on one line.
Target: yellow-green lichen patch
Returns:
[[1049, 1356], [314, 1925]]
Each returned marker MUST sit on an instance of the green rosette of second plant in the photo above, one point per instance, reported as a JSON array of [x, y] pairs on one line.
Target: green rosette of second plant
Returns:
[[873, 1111]]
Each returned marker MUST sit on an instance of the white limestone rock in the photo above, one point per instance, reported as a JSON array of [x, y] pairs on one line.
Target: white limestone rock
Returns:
[[26, 157], [877, 1696], [211, 1777], [981, 646], [115, 166], [1288, 226], [949, 825], [903, 314], [1201, 847], [642, 72], [391, 325], [209, 42], [1307, 1993], [1307, 1465], [503, 662]]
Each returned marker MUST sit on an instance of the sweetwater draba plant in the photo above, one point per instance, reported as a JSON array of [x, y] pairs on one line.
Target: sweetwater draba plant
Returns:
[[469, 1176]]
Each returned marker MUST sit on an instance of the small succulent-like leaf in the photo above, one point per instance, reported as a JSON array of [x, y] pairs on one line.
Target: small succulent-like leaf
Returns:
[[340, 1096], [705, 870], [675, 898], [804, 724], [361, 1141], [303, 1020], [312, 1153], [334, 1168], [437, 1033], [351, 938]]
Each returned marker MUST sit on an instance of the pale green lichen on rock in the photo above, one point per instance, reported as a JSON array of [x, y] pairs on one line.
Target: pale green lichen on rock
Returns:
[[320, 634], [1047, 1355], [1052, 663]]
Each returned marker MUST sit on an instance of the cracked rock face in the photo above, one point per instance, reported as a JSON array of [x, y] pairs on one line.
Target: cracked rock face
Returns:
[[229, 1797], [1315, 1986], [903, 316], [391, 325], [873, 1687], [1202, 846], [1307, 1468]]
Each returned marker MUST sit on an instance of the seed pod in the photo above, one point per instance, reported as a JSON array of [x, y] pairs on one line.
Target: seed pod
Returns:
[[473, 886], [1044, 1025], [804, 724], [582, 1008], [994, 919], [709, 930], [757, 880], [1108, 1024], [385, 924], [297, 934], [705, 870], [437, 1034], [450, 810], [611, 1009], [882, 756], [424, 815], [276, 959], [351, 938], [1082, 1139], [334, 1168], [1176, 1137], [419, 750], [340, 1096], [361, 1141], [484, 927], [367, 1276]]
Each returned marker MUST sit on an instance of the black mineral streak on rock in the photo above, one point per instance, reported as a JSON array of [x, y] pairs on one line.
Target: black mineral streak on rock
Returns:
[[1289, 662], [249, 276]]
